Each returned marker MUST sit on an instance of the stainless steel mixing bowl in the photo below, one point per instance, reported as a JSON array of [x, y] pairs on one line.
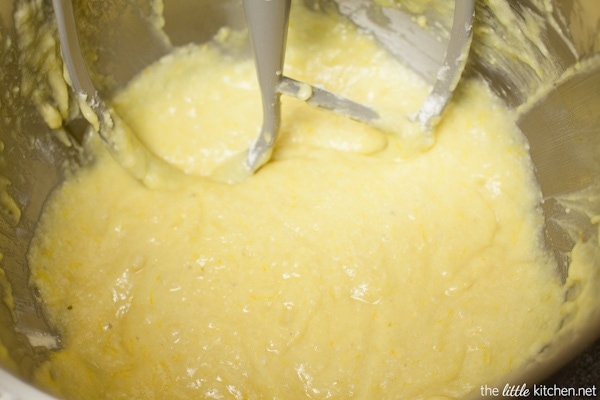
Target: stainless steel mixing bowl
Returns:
[[563, 130]]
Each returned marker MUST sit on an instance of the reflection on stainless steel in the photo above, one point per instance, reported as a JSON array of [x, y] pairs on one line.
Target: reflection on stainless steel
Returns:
[[30, 167], [563, 130], [569, 160]]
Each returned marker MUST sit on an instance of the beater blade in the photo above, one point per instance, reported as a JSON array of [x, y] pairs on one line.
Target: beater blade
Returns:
[[438, 62]]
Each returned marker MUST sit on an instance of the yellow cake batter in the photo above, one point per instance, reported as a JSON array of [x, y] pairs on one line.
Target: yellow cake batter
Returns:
[[353, 265]]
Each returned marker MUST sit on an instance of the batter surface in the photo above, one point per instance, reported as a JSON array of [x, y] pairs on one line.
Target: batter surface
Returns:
[[353, 265]]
